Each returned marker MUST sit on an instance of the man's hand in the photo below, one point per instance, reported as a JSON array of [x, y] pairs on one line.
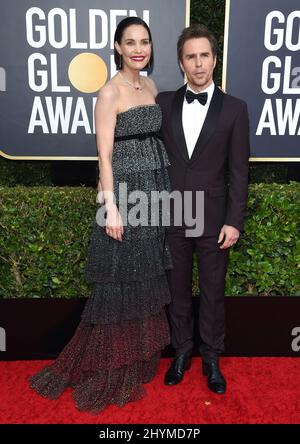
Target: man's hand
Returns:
[[230, 234]]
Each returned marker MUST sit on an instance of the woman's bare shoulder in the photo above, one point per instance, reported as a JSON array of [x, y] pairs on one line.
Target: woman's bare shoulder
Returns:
[[109, 92]]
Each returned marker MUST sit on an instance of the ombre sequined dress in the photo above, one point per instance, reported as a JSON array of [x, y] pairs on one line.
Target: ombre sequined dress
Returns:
[[117, 345]]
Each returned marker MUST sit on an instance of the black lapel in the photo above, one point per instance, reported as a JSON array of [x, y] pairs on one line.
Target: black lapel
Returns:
[[210, 122], [176, 118]]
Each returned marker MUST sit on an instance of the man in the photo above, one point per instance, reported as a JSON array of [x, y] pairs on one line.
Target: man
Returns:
[[207, 139]]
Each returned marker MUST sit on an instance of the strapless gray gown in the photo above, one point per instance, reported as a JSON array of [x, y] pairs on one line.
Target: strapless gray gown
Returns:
[[117, 345]]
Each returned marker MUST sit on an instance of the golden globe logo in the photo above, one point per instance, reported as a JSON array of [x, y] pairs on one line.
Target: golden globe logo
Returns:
[[53, 35], [281, 115], [87, 72]]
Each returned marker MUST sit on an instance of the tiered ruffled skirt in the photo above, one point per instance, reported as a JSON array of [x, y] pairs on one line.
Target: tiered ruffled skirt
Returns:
[[117, 345]]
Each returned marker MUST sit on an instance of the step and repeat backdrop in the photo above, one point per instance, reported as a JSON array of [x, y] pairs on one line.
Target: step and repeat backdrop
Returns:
[[262, 66], [56, 55]]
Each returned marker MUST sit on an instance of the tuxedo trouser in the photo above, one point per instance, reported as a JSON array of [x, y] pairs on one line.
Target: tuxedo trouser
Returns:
[[212, 267]]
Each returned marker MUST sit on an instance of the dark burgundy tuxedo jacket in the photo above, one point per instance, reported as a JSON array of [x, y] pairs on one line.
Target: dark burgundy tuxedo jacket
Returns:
[[219, 163]]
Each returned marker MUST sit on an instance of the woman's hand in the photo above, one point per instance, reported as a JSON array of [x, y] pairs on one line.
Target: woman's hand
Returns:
[[114, 225]]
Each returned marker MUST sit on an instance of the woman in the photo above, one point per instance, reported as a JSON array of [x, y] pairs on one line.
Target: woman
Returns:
[[116, 348]]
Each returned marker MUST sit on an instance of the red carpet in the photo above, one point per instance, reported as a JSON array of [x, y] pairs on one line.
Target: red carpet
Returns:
[[260, 390]]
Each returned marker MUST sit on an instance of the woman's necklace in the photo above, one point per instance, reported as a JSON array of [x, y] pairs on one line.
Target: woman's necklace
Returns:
[[138, 88]]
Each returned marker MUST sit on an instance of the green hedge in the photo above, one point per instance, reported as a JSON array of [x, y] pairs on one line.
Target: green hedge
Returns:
[[266, 261], [45, 232], [43, 241]]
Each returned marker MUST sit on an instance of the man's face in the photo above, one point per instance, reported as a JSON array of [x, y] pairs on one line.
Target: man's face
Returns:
[[198, 63]]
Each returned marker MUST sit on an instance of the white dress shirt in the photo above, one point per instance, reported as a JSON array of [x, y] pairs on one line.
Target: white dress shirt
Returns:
[[193, 116]]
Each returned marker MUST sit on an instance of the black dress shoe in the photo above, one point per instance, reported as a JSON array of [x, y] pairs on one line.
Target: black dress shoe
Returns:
[[176, 371], [215, 380]]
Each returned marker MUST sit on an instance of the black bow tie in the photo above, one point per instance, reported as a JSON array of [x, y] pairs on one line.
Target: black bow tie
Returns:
[[201, 97]]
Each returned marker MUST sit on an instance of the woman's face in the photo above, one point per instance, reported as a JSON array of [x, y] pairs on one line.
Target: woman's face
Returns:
[[135, 47]]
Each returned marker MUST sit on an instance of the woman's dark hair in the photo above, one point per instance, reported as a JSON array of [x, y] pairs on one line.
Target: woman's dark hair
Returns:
[[119, 34]]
